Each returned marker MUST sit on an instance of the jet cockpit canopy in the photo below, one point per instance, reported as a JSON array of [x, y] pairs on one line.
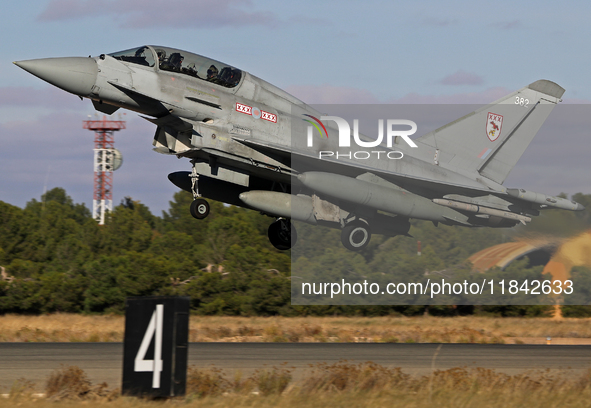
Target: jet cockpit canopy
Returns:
[[170, 59]]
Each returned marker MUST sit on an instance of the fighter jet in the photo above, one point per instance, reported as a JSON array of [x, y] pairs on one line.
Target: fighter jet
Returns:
[[254, 145]]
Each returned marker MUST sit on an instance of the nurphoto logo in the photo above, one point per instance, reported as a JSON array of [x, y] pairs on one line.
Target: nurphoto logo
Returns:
[[392, 131]]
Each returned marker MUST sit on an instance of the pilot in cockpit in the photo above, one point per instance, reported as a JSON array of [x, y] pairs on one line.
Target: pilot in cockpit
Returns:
[[212, 73], [140, 56], [191, 70], [140, 52], [175, 61]]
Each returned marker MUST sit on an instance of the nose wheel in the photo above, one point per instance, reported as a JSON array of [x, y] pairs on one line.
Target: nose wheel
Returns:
[[199, 208], [355, 235], [282, 234]]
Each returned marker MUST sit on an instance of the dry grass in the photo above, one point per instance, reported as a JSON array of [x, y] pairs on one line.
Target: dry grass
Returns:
[[202, 382], [71, 383], [272, 381], [341, 385], [389, 399], [211, 382], [80, 328], [21, 390], [61, 327]]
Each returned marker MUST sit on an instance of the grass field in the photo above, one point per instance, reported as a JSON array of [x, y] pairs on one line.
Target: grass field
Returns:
[[80, 328], [338, 385]]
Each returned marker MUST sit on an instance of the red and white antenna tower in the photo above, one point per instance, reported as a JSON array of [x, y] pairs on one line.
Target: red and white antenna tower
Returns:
[[106, 160]]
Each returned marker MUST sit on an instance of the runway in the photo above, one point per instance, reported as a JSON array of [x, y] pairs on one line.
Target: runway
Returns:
[[103, 361]]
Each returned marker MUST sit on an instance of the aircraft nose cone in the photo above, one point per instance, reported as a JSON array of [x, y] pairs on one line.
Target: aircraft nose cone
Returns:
[[73, 74]]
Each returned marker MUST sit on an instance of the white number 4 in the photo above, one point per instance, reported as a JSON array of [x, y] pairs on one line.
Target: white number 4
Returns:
[[143, 365]]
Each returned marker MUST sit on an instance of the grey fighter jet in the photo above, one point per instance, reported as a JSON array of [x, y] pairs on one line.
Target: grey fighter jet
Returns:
[[254, 145]]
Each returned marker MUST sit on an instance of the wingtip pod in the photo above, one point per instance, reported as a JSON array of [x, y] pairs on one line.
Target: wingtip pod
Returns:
[[547, 87], [544, 200]]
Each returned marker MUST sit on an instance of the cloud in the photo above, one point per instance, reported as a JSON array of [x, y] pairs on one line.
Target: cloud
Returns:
[[162, 13], [462, 77]]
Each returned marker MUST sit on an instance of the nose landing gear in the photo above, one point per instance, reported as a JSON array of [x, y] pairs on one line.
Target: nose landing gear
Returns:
[[199, 207]]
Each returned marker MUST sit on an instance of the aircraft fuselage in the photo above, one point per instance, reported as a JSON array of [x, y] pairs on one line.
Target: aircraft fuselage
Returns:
[[253, 144]]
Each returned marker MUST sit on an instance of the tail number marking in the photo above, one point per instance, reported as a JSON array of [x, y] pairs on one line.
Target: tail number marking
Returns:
[[521, 102]]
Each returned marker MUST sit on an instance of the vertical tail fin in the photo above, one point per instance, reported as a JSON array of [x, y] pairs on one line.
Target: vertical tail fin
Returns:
[[490, 140]]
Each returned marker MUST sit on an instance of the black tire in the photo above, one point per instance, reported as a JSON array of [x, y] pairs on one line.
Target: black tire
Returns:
[[356, 235], [199, 208], [282, 234]]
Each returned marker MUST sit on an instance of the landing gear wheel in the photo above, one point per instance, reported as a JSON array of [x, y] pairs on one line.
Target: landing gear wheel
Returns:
[[199, 208], [282, 234], [356, 235]]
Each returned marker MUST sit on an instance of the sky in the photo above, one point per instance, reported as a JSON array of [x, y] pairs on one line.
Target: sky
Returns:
[[323, 52]]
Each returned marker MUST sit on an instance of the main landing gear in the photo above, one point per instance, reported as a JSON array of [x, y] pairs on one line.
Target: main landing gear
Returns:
[[282, 234], [355, 235], [199, 207]]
